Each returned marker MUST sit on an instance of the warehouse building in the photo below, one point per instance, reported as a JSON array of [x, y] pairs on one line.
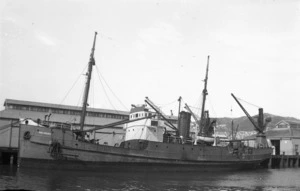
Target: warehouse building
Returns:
[[285, 137], [54, 114]]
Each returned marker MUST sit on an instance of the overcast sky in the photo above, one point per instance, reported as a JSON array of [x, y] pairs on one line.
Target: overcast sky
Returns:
[[154, 48]]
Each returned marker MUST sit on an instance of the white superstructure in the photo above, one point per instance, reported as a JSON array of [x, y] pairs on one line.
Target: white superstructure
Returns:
[[151, 129]]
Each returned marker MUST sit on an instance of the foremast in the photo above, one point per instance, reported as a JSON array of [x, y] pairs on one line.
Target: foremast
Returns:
[[87, 85]]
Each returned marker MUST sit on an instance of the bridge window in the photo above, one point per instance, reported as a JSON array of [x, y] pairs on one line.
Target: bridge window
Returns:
[[154, 123]]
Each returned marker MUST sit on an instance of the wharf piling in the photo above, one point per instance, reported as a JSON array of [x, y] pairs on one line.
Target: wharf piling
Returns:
[[284, 161]]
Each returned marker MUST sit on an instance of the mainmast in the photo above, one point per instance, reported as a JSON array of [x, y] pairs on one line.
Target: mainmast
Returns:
[[87, 85], [204, 94]]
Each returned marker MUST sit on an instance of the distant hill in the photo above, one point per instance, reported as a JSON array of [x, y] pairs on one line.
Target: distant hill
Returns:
[[224, 124]]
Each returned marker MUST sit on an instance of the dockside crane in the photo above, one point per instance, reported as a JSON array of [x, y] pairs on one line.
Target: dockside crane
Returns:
[[259, 126], [256, 126]]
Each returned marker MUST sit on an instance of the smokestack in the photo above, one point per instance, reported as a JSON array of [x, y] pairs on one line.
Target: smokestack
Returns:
[[184, 124]]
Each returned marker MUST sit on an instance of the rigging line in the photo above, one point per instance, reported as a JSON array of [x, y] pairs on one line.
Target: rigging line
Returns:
[[248, 102], [80, 97], [198, 102], [194, 107], [199, 105], [73, 85], [212, 107], [93, 99], [106, 93], [4, 131], [99, 73], [198, 111], [163, 105]]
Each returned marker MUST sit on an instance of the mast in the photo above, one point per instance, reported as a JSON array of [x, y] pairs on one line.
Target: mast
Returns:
[[204, 94], [179, 107], [87, 85]]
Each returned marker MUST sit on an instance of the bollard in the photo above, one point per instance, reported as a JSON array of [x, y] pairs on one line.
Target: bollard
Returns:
[[281, 162], [270, 162], [11, 161], [286, 162], [297, 162]]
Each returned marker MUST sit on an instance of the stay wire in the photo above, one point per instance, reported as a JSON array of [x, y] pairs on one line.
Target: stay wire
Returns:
[[73, 85], [93, 98], [106, 93], [99, 73], [248, 102], [212, 107], [81, 95], [164, 105]]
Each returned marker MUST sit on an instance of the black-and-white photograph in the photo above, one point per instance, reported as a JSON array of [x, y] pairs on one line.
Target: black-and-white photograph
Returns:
[[166, 95]]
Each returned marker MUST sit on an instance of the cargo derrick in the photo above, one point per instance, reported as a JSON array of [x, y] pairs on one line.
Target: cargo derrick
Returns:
[[259, 125], [153, 106], [182, 132]]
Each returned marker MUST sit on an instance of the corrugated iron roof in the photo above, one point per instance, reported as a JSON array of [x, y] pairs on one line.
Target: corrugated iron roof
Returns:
[[280, 133], [283, 133], [289, 122], [57, 106], [61, 118]]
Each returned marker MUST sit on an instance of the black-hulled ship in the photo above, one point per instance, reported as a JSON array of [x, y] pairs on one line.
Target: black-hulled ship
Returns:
[[151, 140]]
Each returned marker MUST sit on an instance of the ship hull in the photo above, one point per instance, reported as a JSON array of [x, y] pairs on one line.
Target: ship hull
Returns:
[[133, 167], [135, 155]]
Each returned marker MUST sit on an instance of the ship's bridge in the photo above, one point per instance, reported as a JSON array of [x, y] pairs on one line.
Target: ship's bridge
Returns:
[[139, 111], [145, 129]]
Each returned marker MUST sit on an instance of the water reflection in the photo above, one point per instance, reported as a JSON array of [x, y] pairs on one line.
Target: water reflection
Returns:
[[263, 179]]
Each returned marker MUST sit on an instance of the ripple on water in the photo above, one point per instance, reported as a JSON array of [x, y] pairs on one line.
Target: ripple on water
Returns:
[[258, 180]]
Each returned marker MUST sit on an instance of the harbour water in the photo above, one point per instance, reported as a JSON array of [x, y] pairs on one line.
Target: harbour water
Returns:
[[261, 179]]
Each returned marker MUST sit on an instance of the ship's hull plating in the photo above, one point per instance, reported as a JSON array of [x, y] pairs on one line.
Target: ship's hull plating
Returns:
[[37, 151]]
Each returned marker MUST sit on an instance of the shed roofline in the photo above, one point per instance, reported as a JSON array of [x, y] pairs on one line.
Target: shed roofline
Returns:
[[288, 122], [50, 105]]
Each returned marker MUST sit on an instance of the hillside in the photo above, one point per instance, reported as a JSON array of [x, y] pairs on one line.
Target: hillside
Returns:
[[224, 124]]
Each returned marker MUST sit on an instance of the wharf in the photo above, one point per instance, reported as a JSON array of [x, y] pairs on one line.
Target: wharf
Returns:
[[284, 161]]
